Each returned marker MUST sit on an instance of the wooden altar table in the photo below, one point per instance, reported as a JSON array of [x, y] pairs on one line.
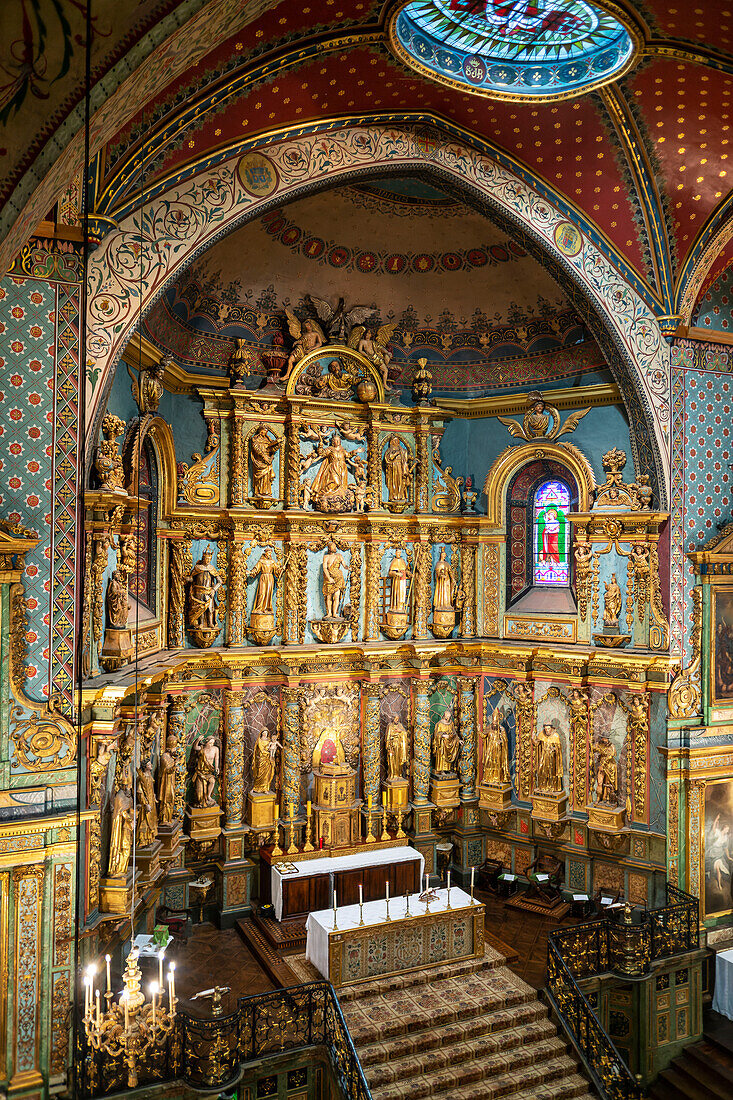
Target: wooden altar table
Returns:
[[358, 953], [310, 887]]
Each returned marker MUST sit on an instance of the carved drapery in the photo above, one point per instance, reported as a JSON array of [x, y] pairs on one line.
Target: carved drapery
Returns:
[[234, 757], [371, 746], [421, 743], [467, 711], [291, 748]]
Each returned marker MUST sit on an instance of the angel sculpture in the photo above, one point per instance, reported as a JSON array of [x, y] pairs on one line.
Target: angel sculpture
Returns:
[[307, 337], [536, 422], [339, 322], [374, 344], [147, 389]]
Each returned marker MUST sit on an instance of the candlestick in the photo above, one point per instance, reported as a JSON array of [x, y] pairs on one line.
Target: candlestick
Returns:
[[109, 978], [371, 839], [407, 909], [335, 906], [400, 831], [473, 872], [127, 1014], [292, 850], [277, 850], [361, 913], [387, 917], [385, 834], [448, 884]]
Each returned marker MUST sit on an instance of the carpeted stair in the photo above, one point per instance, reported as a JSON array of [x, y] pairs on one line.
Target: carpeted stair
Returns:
[[471, 1031]]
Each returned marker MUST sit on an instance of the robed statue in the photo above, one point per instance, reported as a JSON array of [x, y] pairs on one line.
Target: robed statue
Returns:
[[397, 471], [496, 751], [395, 744], [117, 601], [445, 584], [268, 571], [606, 772], [612, 602], [332, 477], [398, 574], [264, 762], [206, 756], [446, 743], [204, 583], [147, 809], [548, 759], [120, 841], [167, 780], [263, 446]]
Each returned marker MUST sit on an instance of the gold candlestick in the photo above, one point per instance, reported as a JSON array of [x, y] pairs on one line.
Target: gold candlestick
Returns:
[[292, 850], [277, 850], [361, 912], [308, 846], [400, 832], [370, 839], [385, 834], [407, 899], [388, 916]]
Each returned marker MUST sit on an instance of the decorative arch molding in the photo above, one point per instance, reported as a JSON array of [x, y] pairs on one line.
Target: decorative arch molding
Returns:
[[147, 250], [155, 429], [513, 459]]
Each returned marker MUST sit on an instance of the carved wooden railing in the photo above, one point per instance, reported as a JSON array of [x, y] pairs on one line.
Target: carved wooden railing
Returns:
[[209, 1054], [612, 946]]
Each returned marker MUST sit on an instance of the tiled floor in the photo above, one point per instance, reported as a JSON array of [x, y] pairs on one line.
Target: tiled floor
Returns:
[[212, 957]]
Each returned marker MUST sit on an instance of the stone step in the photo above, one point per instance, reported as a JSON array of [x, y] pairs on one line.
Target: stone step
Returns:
[[379, 1018], [464, 1082], [491, 960], [572, 1086], [472, 1061], [521, 1024]]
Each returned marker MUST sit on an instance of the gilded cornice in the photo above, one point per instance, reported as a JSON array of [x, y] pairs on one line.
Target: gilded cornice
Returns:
[[604, 393]]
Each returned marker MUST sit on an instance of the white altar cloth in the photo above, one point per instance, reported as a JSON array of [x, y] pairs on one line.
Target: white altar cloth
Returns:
[[328, 865], [320, 924], [723, 999]]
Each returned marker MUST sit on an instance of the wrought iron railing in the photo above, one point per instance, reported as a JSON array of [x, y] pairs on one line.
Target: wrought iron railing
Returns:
[[628, 946], [208, 1054]]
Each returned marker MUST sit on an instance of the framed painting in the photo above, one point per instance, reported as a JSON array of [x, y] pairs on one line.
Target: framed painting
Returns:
[[721, 675], [718, 848]]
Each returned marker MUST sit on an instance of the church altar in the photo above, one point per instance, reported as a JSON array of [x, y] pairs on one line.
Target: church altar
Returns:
[[353, 953], [288, 899]]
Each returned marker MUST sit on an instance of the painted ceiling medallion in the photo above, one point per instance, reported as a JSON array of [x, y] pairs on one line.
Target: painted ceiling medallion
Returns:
[[546, 49]]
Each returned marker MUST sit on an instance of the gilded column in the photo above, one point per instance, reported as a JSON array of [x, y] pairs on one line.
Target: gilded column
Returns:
[[371, 595], [291, 748], [524, 713], [28, 888], [422, 496], [177, 552], [291, 581], [374, 473], [237, 594], [61, 963], [491, 591], [696, 802], [421, 745], [423, 568], [237, 469], [467, 722], [177, 728], [234, 757], [637, 730], [292, 468], [468, 579], [673, 831], [371, 742]]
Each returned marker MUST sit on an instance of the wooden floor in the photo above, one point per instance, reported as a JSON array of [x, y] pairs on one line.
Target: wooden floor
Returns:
[[214, 957], [521, 937]]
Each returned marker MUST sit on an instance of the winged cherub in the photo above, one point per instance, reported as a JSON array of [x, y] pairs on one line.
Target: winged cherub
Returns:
[[374, 344], [339, 322], [307, 337], [536, 421]]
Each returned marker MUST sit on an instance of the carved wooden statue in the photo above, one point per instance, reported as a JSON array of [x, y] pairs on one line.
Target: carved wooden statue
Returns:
[[147, 809], [167, 780], [446, 743], [263, 446], [396, 748], [108, 462], [117, 600], [264, 762], [548, 759], [206, 756], [334, 581], [606, 772], [204, 583], [496, 751], [612, 603], [398, 468], [120, 841]]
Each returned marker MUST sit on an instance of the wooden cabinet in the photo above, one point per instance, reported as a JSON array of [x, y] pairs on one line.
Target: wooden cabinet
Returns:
[[313, 892]]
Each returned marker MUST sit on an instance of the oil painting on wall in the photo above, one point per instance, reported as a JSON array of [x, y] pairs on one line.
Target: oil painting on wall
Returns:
[[718, 847], [723, 645]]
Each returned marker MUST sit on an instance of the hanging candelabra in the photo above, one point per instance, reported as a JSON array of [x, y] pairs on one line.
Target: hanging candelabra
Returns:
[[132, 1029]]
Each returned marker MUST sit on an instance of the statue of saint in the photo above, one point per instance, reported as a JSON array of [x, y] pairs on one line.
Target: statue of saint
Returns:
[[206, 754], [205, 582], [612, 602], [399, 576], [167, 780], [147, 809], [398, 469], [120, 841], [606, 777], [268, 570], [395, 744], [117, 602], [334, 581], [263, 762], [332, 478], [263, 446], [548, 759], [496, 751], [445, 584], [446, 743]]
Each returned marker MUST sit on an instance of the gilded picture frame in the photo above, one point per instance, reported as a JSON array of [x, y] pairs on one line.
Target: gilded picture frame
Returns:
[[721, 646]]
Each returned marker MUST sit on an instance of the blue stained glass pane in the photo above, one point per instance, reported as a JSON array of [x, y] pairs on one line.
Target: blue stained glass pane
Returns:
[[506, 45], [551, 535]]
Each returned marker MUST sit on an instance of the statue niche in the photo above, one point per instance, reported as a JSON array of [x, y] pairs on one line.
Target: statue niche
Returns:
[[336, 807], [203, 583], [329, 490], [549, 801], [399, 465], [268, 570], [446, 748], [396, 592], [495, 790], [203, 811], [445, 591], [333, 626], [397, 757], [263, 447]]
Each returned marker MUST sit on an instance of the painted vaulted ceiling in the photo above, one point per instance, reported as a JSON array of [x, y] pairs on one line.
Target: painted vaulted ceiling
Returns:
[[642, 161]]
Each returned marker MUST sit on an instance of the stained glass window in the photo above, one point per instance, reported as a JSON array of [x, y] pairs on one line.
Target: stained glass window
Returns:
[[541, 49], [551, 562]]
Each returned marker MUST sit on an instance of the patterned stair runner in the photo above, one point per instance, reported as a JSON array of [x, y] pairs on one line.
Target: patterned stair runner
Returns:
[[469, 1031]]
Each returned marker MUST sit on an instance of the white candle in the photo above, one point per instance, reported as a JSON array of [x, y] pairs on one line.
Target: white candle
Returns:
[[161, 953], [99, 1014], [172, 973], [361, 894], [109, 979], [335, 903], [87, 988], [387, 885], [426, 880], [448, 881], [473, 872], [154, 994], [123, 998]]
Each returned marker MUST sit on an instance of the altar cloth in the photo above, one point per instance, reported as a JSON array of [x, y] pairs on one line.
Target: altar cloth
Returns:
[[320, 925], [723, 999], [330, 864]]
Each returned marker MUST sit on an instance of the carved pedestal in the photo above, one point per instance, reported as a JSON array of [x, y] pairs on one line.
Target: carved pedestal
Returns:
[[445, 791], [261, 626], [329, 631], [396, 791], [608, 819], [395, 624], [495, 796], [147, 860], [115, 894], [261, 810], [171, 840], [443, 624], [336, 809], [549, 806], [204, 823], [117, 649]]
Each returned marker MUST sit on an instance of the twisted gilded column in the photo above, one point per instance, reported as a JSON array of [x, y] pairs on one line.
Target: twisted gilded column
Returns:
[[468, 578], [176, 727], [234, 757], [292, 465], [423, 569], [467, 689], [237, 594], [421, 743], [371, 617], [237, 468], [371, 742], [291, 748], [422, 494]]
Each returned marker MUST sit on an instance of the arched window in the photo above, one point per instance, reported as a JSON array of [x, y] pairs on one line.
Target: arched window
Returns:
[[551, 537], [142, 581]]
